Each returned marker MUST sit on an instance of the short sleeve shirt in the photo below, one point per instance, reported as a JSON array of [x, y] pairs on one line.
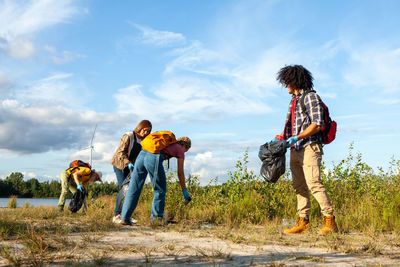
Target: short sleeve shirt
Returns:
[[174, 151]]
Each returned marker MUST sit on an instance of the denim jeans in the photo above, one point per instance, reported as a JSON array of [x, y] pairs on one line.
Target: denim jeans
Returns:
[[152, 164], [120, 178]]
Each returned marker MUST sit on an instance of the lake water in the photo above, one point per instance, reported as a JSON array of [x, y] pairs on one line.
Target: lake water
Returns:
[[32, 202]]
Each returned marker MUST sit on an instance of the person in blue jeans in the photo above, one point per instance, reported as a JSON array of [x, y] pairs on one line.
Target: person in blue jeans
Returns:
[[152, 164], [126, 154]]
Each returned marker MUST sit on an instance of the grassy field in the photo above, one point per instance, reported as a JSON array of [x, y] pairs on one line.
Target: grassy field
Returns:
[[243, 210]]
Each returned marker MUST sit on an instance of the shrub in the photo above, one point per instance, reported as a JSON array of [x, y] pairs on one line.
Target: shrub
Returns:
[[12, 202]]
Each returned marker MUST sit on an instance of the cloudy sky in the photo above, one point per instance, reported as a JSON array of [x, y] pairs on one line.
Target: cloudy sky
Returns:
[[203, 69]]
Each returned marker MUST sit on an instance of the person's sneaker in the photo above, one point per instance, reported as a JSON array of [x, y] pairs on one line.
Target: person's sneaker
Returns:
[[60, 208], [118, 220], [132, 221], [300, 227], [329, 225], [115, 218]]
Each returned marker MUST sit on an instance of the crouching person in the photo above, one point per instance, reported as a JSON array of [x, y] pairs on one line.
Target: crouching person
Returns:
[[75, 178], [156, 147]]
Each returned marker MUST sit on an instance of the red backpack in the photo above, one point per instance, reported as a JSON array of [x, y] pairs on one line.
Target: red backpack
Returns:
[[328, 130]]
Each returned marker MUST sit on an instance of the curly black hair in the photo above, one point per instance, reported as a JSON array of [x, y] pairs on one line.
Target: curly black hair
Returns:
[[296, 76]]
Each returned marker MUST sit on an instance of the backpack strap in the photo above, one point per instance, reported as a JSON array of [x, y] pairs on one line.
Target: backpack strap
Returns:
[[303, 105], [302, 102], [70, 170]]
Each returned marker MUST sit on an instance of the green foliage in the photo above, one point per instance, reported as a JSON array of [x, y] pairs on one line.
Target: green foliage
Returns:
[[362, 199], [244, 198], [12, 202], [14, 184]]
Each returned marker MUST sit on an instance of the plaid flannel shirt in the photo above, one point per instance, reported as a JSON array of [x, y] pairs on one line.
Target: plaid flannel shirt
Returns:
[[301, 121]]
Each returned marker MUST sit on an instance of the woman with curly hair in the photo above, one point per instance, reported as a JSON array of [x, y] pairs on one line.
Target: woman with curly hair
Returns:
[[152, 164], [302, 135]]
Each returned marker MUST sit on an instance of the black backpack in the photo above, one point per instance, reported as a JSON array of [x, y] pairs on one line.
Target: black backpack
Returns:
[[328, 130]]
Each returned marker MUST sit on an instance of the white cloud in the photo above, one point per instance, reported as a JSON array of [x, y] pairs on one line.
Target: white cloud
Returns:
[[37, 128], [29, 175], [20, 20], [62, 57], [21, 47], [203, 84], [109, 177], [157, 37], [207, 166], [104, 147], [196, 59], [5, 85], [186, 98], [374, 66]]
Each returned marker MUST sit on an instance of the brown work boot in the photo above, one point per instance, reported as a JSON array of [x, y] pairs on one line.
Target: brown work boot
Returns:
[[329, 225], [300, 227]]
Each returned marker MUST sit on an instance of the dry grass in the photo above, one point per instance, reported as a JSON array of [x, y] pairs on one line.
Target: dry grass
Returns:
[[44, 236]]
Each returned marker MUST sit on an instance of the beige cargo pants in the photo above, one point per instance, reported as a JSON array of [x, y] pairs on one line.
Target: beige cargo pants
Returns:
[[305, 165], [67, 182]]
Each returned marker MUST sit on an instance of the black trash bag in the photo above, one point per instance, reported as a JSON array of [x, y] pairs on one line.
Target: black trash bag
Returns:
[[77, 200], [273, 160], [122, 192]]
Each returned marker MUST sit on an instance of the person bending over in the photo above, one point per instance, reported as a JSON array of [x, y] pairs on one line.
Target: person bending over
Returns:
[[152, 164], [76, 178]]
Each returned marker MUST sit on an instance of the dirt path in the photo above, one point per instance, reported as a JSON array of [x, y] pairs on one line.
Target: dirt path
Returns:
[[144, 246], [190, 249]]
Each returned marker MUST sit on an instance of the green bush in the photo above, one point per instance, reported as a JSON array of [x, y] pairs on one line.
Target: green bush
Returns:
[[362, 200], [12, 202]]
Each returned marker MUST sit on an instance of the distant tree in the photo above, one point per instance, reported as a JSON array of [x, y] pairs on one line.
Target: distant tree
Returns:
[[2, 188], [34, 188], [54, 189], [14, 184], [106, 188]]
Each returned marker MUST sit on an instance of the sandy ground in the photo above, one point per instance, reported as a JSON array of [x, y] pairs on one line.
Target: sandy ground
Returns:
[[144, 246]]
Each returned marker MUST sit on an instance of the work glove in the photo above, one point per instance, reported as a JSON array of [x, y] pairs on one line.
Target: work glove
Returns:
[[291, 141], [186, 196], [79, 187], [276, 139], [273, 141], [131, 166]]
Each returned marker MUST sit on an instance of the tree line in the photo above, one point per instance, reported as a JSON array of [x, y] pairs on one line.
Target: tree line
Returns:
[[14, 185]]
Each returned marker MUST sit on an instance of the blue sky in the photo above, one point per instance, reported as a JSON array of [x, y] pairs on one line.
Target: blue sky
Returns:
[[203, 69]]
